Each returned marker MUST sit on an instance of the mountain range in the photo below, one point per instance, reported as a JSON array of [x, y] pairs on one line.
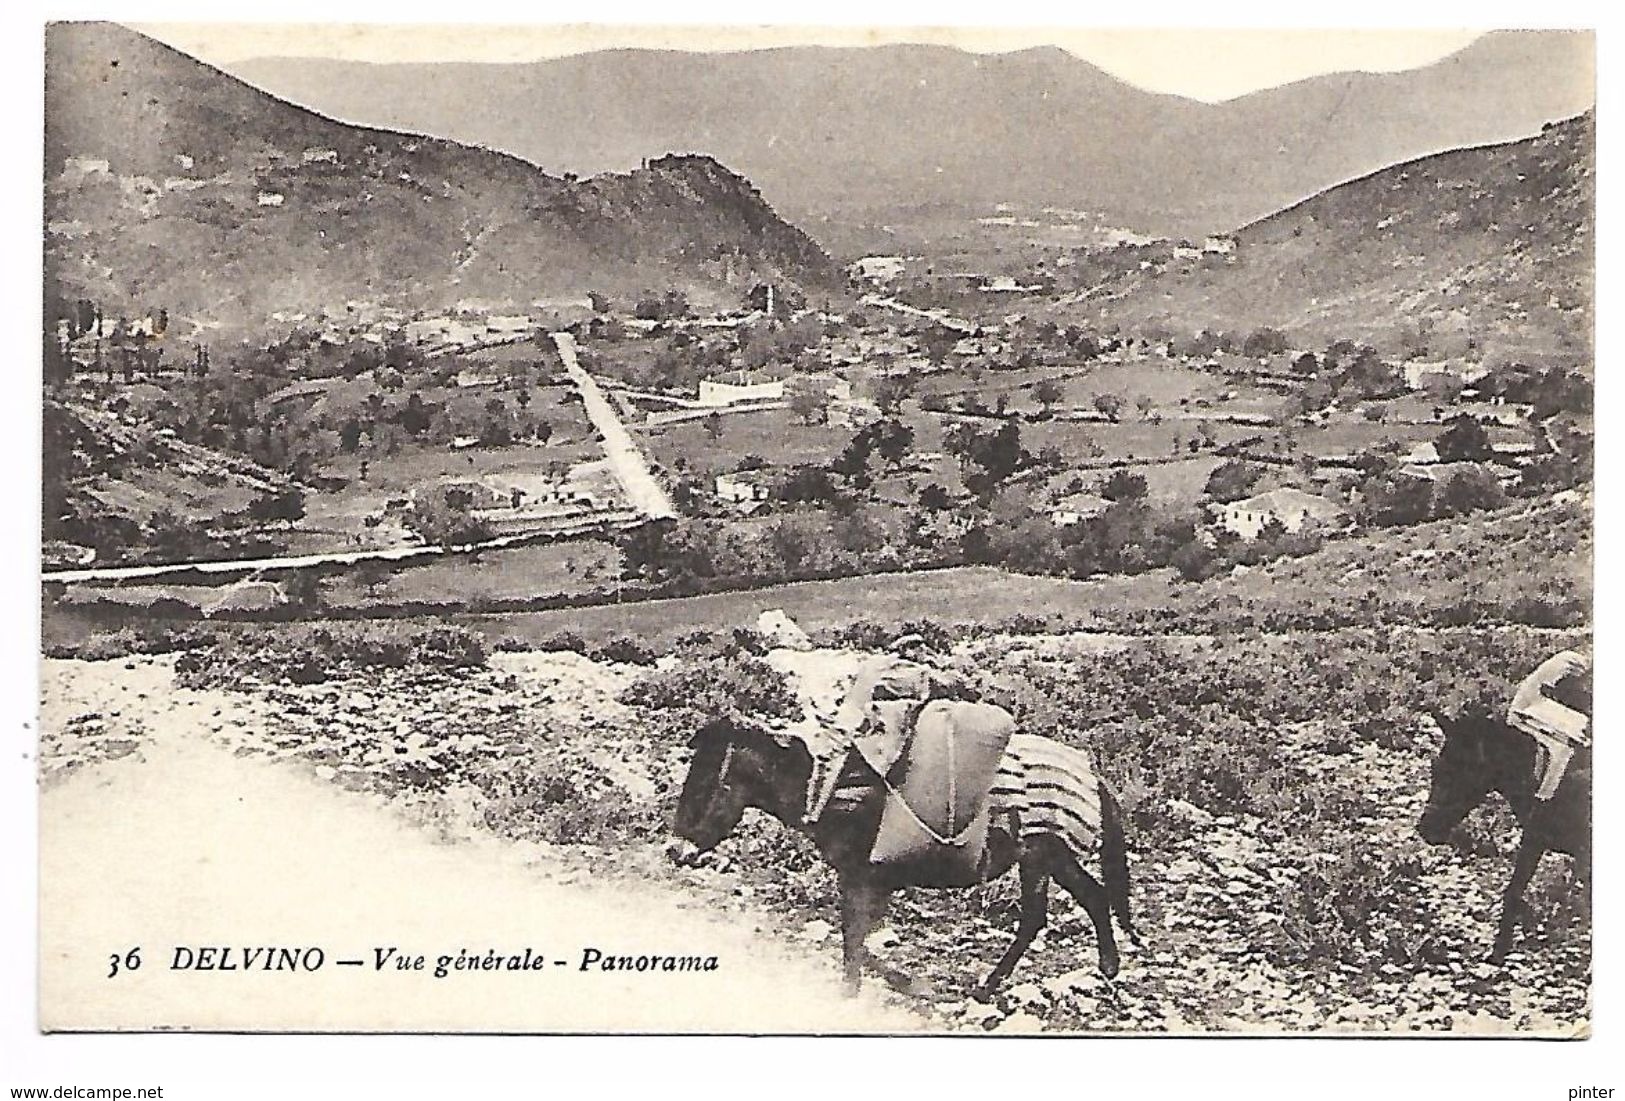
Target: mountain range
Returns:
[[172, 184], [825, 132]]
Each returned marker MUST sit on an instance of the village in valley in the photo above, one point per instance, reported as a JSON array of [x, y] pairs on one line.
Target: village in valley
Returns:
[[868, 431], [863, 432]]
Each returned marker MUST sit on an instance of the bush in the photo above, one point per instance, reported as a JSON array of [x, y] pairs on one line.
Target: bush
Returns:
[[312, 654], [552, 793], [623, 650], [561, 641], [739, 687]]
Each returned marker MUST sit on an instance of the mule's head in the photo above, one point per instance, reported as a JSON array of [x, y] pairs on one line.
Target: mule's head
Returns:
[[712, 800], [1471, 764], [733, 770]]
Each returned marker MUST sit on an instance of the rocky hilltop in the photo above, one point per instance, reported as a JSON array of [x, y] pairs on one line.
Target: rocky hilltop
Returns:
[[169, 183]]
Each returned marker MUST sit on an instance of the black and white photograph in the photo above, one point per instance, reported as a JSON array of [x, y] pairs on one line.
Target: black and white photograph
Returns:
[[790, 530]]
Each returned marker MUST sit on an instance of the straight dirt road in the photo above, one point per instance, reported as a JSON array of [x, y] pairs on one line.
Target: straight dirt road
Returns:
[[644, 491]]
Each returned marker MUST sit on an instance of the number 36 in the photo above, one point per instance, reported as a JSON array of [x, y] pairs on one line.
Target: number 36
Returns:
[[130, 961]]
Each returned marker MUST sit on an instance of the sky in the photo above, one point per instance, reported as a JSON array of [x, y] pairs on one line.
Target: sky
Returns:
[[1205, 64]]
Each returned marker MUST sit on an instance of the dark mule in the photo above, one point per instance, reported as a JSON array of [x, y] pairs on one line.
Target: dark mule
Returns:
[[734, 769], [1482, 754]]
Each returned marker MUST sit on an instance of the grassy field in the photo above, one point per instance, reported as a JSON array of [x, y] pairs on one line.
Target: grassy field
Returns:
[[543, 569], [964, 595], [776, 435]]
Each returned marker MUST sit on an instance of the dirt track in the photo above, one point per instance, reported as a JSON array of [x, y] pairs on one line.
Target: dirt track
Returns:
[[163, 839]]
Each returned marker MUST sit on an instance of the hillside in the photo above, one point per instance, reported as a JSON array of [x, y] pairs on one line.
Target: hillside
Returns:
[[115, 484], [160, 168], [826, 132], [1492, 244]]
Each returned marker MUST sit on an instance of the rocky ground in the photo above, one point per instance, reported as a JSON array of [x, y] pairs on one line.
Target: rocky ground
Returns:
[[1221, 910]]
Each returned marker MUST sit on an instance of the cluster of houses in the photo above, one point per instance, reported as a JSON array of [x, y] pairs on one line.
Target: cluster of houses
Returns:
[[443, 333]]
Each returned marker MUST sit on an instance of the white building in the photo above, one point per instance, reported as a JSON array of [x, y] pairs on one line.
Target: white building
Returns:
[[1418, 372], [1077, 508], [508, 326], [719, 394], [1423, 453], [853, 413], [877, 269], [269, 198], [1291, 508], [739, 489]]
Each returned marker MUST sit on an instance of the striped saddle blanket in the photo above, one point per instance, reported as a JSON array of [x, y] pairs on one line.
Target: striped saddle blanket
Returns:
[[1041, 788]]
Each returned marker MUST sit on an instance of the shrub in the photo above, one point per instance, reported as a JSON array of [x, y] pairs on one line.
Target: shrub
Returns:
[[624, 650], [738, 687], [311, 654], [550, 793], [563, 641]]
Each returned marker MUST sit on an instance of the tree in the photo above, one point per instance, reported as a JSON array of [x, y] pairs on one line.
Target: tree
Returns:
[[1463, 440], [414, 418], [446, 519], [1196, 561], [1369, 377], [1306, 365], [807, 485], [350, 436], [1047, 392], [935, 498], [1397, 499], [1232, 480], [1110, 405], [1123, 485], [1443, 387], [809, 401], [1472, 490], [713, 426], [853, 461], [497, 428], [937, 342], [890, 390], [286, 504], [304, 590], [600, 302], [893, 439], [1264, 342], [999, 454]]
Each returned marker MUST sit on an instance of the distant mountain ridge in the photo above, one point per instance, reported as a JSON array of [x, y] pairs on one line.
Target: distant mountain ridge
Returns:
[[171, 183], [819, 129]]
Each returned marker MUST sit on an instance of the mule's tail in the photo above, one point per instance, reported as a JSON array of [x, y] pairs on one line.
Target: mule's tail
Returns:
[[1114, 861]]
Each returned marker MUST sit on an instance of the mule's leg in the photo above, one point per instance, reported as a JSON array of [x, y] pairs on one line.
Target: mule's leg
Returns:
[[862, 901], [1523, 870], [1092, 896], [1034, 913]]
